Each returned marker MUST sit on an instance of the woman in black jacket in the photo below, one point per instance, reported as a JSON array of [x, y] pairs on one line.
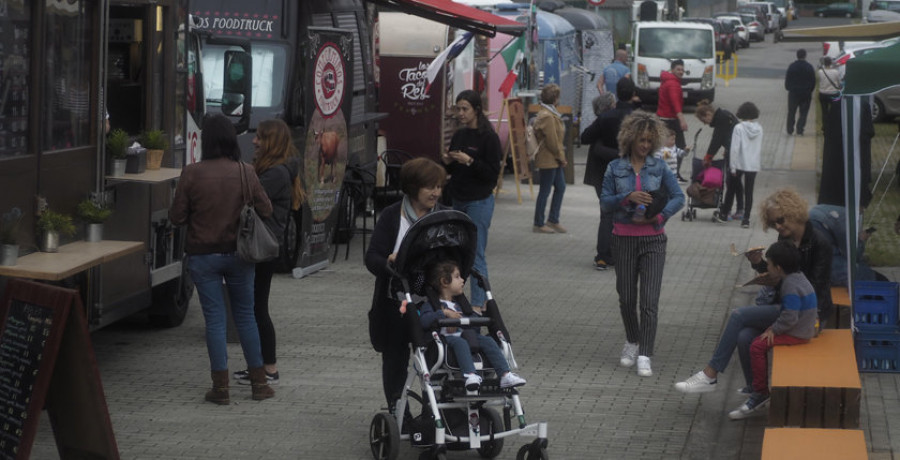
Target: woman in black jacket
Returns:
[[422, 181], [276, 163], [722, 122]]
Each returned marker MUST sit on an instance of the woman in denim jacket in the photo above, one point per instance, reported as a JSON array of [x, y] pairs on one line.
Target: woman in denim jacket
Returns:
[[639, 239]]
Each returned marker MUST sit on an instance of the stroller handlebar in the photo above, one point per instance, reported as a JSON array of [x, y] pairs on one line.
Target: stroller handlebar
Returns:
[[455, 322]]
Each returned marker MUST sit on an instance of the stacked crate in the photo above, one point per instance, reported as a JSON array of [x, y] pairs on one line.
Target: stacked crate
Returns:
[[875, 317]]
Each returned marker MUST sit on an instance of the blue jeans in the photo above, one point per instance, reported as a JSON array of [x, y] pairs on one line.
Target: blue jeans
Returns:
[[744, 325], [208, 271], [556, 178], [489, 349], [481, 212]]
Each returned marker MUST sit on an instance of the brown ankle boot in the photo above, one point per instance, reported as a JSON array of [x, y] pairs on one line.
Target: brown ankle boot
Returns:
[[219, 392], [261, 389]]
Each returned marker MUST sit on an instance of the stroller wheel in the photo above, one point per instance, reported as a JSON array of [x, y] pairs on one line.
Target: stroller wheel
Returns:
[[532, 452], [693, 214], [491, 423], [384, 437], [684, 216]]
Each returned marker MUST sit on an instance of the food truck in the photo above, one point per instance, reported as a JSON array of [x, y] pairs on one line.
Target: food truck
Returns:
[[67, 67]]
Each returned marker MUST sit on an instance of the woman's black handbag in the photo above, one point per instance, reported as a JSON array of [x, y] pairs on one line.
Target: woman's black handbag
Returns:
[[660, 199], [256, 242]]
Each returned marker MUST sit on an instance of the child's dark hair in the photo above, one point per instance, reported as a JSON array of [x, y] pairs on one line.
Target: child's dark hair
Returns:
[[785, 255], [440, 273], [748, 111]]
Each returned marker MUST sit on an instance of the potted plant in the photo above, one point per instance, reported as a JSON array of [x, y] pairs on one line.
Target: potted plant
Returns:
[[93, 213], [52, 224], [154, 140], [9, 244], [117, 148]]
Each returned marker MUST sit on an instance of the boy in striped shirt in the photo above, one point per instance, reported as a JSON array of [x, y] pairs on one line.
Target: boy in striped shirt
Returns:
[[796, 323]]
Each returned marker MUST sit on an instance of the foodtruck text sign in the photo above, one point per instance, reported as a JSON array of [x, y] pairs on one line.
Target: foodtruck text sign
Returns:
[[414, 124], [241, 24]]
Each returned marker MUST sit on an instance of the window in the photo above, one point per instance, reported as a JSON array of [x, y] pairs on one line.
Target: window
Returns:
[[676, 43], [66, 112], [14, 65], [268, 74]]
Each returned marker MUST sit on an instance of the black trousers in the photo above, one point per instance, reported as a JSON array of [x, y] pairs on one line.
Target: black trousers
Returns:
[[262, 284], [797, 101], [827, 102], [604, 233], [742, 192]]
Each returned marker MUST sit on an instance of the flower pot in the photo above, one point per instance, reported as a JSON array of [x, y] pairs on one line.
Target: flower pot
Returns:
[[9, 254], [117, 167], [94, 233], [154, 158], [50, 241]]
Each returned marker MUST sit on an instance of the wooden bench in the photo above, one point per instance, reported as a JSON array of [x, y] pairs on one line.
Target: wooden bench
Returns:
[[813, 444], [816, 385], [843, 309]]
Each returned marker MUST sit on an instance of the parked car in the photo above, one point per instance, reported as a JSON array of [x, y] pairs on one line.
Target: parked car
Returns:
[[759, 12], [755, 28], [741, 32], [853, 50], [835, 49], [786, 10], [724, 41], [772, 15], [886, 104], [847, 10], [884, 11]]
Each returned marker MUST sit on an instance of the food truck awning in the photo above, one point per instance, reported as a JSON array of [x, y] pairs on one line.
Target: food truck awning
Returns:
[[456, 15], [876, 31]]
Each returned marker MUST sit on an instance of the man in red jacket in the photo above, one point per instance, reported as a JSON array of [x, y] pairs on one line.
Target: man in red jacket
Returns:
[[670, 105]]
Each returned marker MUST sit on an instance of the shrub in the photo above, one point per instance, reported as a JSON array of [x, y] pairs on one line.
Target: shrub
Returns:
[[117, 144], [55, 221], [92, 212]]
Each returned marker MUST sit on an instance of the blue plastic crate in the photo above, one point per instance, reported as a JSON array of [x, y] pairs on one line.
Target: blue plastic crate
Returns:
[[875, 306], [877, 352]]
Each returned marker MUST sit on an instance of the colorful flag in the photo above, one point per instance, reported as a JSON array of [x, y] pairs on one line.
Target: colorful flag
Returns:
[[510, 51], [513, 75], [447, 55]]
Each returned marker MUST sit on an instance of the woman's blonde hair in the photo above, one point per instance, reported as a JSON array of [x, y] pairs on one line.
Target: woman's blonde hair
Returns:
[[704, 108], [636, 125], [786, 200], [276, 147]]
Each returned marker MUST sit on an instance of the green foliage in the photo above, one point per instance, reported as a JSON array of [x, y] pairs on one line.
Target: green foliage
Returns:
[[92, 212], [9, 226], [154, 139], [117, 143], [55, 221]]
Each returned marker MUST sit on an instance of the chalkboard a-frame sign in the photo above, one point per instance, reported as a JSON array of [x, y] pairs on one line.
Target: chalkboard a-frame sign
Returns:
[[47, 361]]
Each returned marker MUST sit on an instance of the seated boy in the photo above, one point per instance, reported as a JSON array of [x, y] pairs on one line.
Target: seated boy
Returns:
[[796, 321], [444, 277]]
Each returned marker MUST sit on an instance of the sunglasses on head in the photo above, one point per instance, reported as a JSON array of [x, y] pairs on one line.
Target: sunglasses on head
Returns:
[[778, 221]]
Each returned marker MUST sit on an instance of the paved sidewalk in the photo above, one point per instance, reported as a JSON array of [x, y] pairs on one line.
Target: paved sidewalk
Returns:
[[564, 320]]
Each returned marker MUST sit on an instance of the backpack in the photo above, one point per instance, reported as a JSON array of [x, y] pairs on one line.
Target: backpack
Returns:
[[531, 143]]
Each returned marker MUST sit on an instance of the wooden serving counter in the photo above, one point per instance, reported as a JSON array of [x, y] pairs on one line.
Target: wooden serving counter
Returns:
[[72, 258], [150, 175]]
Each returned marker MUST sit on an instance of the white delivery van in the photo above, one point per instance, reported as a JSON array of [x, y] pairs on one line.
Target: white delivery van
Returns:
[[654, 45]]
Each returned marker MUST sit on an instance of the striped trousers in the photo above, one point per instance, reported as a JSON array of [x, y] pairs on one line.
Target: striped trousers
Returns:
[[639, 262]]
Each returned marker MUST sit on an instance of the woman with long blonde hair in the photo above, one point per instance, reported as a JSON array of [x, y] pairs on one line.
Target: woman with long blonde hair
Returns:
[[277, 163]]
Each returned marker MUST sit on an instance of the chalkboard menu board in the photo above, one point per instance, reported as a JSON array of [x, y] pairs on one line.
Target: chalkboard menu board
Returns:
[[22, 348], [46, 360]]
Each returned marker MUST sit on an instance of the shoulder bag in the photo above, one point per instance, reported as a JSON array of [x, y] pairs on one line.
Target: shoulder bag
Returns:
[[256, 242]]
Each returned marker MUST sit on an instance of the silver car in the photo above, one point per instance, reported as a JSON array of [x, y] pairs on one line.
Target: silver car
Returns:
[[886, 104], [741, 32], [884, 11]]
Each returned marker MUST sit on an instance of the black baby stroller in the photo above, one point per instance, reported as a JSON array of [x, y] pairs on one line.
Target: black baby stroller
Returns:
[[699, 196], [449, 416]]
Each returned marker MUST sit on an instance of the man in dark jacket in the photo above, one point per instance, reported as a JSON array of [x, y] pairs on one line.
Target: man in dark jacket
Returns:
[[799, 81], [602, 135]]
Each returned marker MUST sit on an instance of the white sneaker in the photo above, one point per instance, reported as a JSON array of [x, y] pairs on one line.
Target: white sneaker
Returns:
[[473, 382], [643, 366], [511, 380], [756, 404], [697, 383], [629, 354]]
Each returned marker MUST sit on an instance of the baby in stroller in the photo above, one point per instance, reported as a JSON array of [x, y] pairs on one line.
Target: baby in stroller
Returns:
[[444, 278], [451, 411]]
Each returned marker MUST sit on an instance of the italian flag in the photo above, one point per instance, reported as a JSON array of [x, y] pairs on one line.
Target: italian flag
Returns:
[[513, 54]]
